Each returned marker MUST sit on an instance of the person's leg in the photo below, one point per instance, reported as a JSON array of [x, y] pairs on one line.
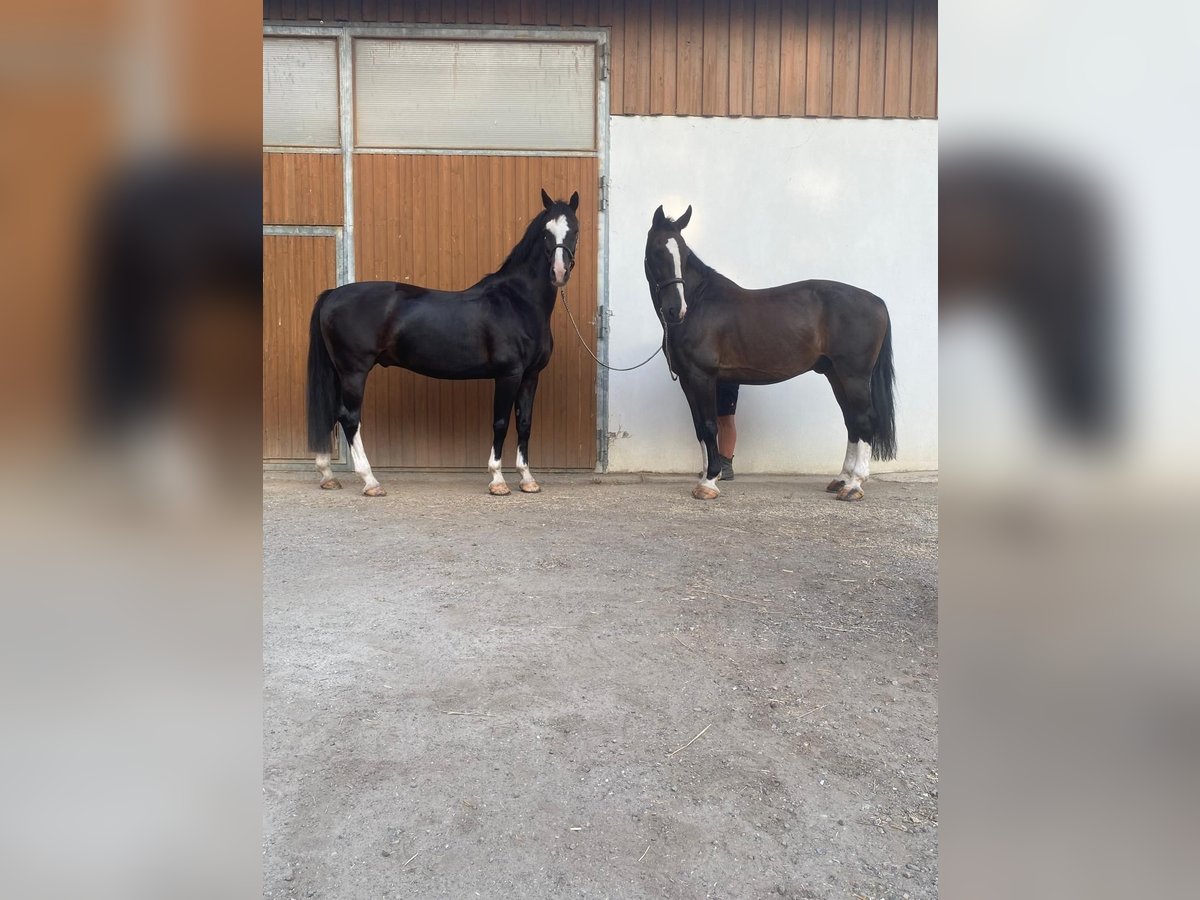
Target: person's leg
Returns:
[[726, 435], [727, 396]]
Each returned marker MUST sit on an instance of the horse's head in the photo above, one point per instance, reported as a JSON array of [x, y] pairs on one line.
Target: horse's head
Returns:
[[666, 258], [561, 237]]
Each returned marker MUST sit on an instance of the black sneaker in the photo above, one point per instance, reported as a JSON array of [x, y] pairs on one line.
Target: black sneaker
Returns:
[[726, 468]]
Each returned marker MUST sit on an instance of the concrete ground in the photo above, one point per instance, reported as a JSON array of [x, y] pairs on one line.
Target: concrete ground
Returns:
[[605, 690]]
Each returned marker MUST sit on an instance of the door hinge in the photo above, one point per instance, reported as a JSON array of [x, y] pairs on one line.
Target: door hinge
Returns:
[[605, 63], [603, 192], [601, 322]]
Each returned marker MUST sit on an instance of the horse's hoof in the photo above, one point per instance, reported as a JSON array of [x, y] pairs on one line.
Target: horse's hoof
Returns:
[[701, 492], [376, 491], [499, 490], [531, 487], [850, 494], [835, 485], [331, 484]]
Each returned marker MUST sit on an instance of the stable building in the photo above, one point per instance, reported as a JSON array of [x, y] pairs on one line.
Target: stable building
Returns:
[[409, 141]]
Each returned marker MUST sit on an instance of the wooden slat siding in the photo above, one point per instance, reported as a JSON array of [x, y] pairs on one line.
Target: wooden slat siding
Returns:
[[819, 89], [424, 219], [749, 57], [897, 62], [924, 64], [715, 96], [767, 24], [741, 57], [689, 70], [662, 57], [302, 189], [295, 271], [637, 54], [846, 28], [793, 63], [872, 42]]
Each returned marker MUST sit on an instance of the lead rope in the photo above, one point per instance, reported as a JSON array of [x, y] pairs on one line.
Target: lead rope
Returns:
[[662, 349]]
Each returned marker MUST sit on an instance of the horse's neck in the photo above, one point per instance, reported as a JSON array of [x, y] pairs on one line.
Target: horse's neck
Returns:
[[540, 291]]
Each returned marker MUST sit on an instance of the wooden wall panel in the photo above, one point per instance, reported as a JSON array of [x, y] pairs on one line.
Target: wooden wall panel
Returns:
[[716, 62], [819, 95], [295, 271], [302, 189], [741, 57], [871, 47], [793, 64], [858, 58], [897, 63], [847, 22], [445, 222], [924, 59]]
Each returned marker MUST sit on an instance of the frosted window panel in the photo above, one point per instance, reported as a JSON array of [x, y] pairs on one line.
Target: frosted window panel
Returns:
[[300, 93], [486, 95]]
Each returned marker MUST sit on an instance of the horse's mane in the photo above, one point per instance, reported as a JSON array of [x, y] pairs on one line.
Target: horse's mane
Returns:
[[533, 234], [700, 266]]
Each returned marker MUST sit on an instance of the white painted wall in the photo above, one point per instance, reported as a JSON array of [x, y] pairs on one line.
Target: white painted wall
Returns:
[[775, 201]]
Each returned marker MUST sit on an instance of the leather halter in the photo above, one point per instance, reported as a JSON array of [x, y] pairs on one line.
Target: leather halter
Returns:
[[567, 254], [659, 287]]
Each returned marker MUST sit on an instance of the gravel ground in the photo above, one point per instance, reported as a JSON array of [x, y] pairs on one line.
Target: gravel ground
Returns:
[[606, 690]]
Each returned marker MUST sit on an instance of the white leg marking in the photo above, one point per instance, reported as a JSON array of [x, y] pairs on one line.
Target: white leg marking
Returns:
[[323, 466], [848, 462], [559, 228], [673, 249], [705, 481], [494, 468], [862, 466], [523, 468], [359, 457]]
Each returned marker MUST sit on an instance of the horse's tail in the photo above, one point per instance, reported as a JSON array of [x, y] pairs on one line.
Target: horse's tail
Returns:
[[883, 399], [323, 391]]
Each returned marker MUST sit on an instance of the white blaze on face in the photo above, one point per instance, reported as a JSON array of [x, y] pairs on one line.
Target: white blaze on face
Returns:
[[559, 228], [673, 249]]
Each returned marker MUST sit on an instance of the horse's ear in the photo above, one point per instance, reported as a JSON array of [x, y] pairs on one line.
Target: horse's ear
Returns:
[[546, 201], [682, 221], [575, 200], [660, 220]]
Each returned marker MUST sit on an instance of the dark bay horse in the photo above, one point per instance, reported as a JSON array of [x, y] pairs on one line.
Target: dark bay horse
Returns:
[[499, 329], [715, 330]]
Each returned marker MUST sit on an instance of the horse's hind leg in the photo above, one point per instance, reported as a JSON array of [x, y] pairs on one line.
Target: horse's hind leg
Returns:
[[502, 407], [860, 429], [525, 396], [350, 417], [851, 449]]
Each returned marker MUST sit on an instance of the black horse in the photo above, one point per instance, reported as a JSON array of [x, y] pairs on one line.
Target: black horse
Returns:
[[715, 330], [499, 329]]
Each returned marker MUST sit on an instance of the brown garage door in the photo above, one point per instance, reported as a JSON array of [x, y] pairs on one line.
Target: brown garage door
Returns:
[[444, 222]]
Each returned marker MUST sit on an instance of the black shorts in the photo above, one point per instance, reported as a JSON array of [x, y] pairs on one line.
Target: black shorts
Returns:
[[727, 394]]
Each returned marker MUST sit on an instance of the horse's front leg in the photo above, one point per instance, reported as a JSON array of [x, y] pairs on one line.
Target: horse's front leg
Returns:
[[525, 396], [701, 393], [502, 407]]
